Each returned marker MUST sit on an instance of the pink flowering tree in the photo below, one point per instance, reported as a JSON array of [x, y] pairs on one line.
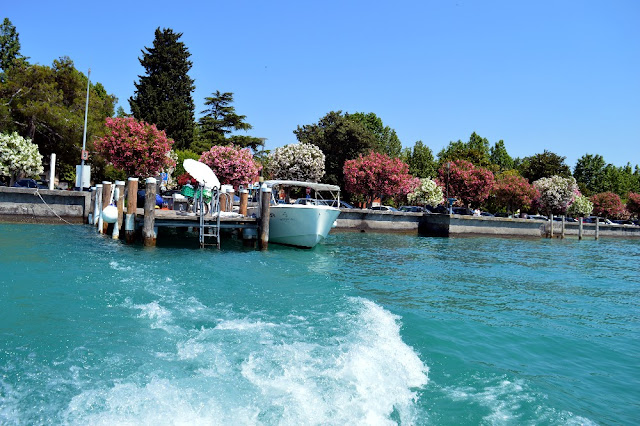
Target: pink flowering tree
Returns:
[[232, 165], [513, 192], [470, 184], [608, 204], [377, 175], [136, 147], [633, 204]]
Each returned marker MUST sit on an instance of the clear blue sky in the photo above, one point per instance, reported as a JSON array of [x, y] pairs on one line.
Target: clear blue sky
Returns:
[[556, 75]]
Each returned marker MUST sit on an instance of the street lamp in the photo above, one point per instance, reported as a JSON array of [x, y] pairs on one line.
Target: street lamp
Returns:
[[83, 155]]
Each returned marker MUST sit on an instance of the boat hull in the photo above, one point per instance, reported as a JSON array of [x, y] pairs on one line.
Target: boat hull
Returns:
[[300, 225]]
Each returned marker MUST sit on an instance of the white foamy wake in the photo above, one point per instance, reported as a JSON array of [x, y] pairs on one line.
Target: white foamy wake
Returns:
[[503, 399], [349, 368], [370, 374], [160, 402]]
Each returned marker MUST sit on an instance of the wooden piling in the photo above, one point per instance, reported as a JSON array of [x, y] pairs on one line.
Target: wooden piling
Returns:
[[562, 232], [92, 207], [120, 206], [148, 231], [265, 212], [106, 199], [98, 207], [580, 227], [132, 204], [551, 226], [244, 201], [597, 227]]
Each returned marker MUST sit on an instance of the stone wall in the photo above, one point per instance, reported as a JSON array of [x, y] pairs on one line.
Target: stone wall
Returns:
[[43, 205], [363, 220]]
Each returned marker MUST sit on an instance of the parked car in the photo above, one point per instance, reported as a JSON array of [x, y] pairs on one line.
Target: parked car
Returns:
[[462, 211], [29, 183], [537, 217], [592, 219], [384, 208], [487, 214], [438, 209], [411, 209], [502, 214], [566, 219], [334, 203], [623, 222]]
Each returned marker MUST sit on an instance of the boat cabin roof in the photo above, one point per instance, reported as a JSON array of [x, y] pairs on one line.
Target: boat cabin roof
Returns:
[[312, 185]]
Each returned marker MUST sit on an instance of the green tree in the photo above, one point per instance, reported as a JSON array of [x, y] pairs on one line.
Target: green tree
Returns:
[[476, 151], [619, 180], [163, 95], [499, 156], [387, 141], [47, 104], [589, 173], [420, 160], [9, 46], [543, 165], [121, 113], [340, 139], [219, 121]]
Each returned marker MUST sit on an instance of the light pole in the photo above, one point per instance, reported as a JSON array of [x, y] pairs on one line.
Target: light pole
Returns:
[[83, 155], [448, 199]]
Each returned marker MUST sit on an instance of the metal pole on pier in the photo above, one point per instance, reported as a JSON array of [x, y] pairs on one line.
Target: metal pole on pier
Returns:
[[83, 154], [597, 227], [265, 212]]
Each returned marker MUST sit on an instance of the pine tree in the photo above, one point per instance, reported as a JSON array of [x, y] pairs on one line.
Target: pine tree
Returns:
[[163, 95]]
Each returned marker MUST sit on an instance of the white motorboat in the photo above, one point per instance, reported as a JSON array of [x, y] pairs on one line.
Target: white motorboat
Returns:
[[306, 222]]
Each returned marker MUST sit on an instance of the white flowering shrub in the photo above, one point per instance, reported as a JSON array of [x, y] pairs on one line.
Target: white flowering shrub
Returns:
[[556, 193], [19, 156], [581, 206], [428, 193], [297, 161]]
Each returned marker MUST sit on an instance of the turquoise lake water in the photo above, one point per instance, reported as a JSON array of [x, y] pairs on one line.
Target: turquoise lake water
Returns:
[[364, 329]]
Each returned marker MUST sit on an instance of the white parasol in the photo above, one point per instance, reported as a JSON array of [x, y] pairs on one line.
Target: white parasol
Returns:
[[202, 173]]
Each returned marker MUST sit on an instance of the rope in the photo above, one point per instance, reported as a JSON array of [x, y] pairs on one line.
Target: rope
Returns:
[[49, 207]]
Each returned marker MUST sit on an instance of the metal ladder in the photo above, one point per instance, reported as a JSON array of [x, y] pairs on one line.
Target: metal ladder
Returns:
[[210, 230]]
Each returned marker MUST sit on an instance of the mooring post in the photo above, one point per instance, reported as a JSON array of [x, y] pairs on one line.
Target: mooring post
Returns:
[[98, 207], [562, 234], [597, 227], [132, 204], [551, 226], [106, 199], [580, 227], [231, 194], [120, 206], [92, 207], [148, 231], [244, 201], [265, 211], [115, 234]]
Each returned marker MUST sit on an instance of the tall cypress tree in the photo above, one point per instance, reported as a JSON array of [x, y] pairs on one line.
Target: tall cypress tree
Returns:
[[163, 96], [9, 46]]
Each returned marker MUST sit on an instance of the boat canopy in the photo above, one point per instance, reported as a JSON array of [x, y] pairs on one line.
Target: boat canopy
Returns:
[[312, 185]]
